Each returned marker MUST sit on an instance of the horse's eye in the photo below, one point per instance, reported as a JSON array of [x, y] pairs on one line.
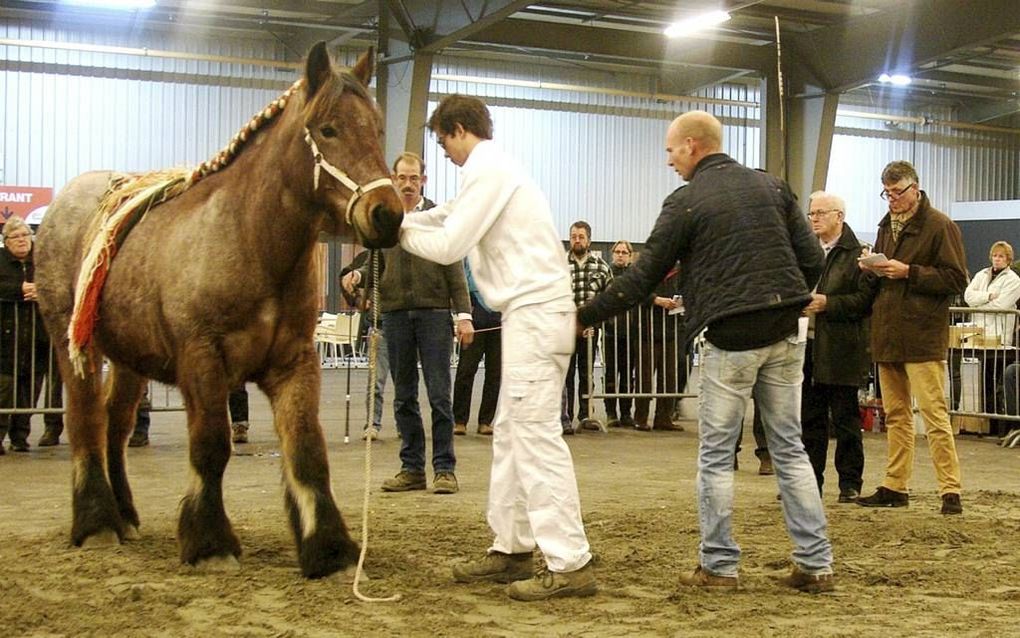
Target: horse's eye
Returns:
[[328, 131]]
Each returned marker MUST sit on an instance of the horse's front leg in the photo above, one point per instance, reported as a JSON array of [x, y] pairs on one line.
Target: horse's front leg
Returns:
[[323, 543], [203, 530]]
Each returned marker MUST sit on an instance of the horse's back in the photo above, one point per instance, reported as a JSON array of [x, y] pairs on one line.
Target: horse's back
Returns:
[[58, 248]]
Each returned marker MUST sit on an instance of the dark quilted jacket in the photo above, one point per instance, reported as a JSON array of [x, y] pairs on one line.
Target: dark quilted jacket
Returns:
[[742, 242]]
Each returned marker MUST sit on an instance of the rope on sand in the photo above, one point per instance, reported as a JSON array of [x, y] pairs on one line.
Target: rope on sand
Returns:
[[373, 348]]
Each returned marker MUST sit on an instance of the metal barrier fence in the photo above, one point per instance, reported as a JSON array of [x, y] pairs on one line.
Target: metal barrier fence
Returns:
[[30, 381], [982, 365], [642, 356], [982, 358]]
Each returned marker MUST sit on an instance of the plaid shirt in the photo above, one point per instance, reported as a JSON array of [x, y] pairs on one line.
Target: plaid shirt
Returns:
[[588, 278]]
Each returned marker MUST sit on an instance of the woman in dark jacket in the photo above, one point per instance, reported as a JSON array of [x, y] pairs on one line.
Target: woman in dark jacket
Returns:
[[24, 346]]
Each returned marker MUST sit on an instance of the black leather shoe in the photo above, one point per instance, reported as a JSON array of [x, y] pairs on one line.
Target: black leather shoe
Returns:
[[884, 497], [19, 446], [951, 504], [138, 440]]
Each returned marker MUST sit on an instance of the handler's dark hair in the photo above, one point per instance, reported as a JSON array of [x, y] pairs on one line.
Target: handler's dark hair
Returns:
[[900, 169], [469, 112]]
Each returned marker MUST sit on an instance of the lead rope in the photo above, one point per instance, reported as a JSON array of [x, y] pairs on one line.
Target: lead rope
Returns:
[[373, 348]]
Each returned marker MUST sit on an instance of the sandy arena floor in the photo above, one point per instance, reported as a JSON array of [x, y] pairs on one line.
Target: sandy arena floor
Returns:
[[901, 572]]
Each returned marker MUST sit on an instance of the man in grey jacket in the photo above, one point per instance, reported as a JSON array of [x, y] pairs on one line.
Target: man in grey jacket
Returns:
[[415, 298]]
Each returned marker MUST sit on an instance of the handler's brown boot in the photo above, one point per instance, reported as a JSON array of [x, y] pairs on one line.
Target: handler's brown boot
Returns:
[[495, 567], [809, 583], [547, 584], [707, 580]]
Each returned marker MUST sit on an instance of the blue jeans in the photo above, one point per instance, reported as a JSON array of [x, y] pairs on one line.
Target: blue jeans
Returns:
[[382, 370], [774, 375], [425, 335]]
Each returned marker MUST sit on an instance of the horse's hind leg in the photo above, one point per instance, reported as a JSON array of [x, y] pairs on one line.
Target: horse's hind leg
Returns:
[[203, 530], [123, 392], [323, 543], [96, 518]]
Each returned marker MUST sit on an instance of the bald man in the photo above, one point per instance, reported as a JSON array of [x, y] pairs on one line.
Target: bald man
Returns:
[[748, 264]]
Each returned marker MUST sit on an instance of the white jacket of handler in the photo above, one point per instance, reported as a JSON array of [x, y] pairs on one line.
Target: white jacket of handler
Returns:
[[501, 222]]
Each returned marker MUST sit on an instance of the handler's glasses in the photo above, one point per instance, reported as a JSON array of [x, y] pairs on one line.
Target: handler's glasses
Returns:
[[19, 236], [887, 194]]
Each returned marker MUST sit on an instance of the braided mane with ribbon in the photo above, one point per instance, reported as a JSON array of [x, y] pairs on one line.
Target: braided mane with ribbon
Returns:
[[127, 199]]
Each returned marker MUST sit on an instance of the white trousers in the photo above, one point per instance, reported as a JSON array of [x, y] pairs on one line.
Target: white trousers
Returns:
[[533, 499]]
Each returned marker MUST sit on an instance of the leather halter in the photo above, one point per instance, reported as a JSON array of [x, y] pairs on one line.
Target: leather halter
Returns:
[[358, 191]]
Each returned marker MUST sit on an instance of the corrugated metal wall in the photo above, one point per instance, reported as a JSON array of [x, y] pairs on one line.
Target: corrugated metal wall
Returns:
[[953, 165], [67, 112], [598, 157]]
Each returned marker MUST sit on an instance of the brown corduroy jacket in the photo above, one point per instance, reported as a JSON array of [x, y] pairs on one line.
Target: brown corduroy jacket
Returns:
[[910, 317]]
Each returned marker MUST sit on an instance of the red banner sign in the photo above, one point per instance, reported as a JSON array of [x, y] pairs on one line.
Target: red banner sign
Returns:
[[23, 201]]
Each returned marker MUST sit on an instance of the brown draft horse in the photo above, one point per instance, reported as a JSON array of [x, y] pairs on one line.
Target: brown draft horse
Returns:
[[213, 288]]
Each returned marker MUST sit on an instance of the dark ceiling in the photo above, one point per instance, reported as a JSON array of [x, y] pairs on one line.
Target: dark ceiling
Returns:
[[961, 53]]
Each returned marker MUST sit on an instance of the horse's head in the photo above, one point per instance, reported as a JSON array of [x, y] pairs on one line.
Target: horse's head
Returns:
[[343, 128]]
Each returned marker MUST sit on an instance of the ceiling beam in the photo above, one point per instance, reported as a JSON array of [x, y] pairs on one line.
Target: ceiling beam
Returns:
[[915, 32], [990, 111], [952, 77], [622, 45]]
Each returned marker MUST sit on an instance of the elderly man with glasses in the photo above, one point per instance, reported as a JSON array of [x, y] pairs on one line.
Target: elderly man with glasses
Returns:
[[925, 267], [836, 360]]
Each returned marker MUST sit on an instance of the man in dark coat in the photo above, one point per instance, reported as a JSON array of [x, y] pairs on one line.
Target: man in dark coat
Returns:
[[748, 262], [836, 361], [924, 267]]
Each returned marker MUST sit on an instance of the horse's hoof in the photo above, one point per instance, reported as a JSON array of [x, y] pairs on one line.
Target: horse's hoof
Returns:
[[131, 532], [99, 540], [219, 564]]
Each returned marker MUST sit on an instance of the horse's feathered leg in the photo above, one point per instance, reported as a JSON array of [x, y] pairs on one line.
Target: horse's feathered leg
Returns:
[[96, 518], [323, 543], [203, 530], [123, 392]]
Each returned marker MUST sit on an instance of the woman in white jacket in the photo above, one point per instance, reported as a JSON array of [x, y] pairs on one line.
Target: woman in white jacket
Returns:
[[996, 288]]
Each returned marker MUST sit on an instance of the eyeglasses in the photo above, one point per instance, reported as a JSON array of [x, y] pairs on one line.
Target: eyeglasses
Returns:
[[621, 252], [818, 213], [19, 236], [441, 140], [895, 194], [414, 179]]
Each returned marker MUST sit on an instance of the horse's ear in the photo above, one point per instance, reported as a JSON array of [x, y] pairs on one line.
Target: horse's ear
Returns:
[[363, 69], [318, 69]]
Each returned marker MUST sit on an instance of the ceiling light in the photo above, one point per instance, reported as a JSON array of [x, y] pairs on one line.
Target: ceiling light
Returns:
[[897, 79], [695, 24], [113, 4]]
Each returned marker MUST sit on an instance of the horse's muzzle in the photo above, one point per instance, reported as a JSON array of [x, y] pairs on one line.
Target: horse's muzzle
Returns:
[[386, 224]]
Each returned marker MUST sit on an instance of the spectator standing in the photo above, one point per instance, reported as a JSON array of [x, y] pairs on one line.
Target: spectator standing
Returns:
[[752, 335], [24, 345], [589, 275], [501, 221], [361, 298], [486, 345], [415, 297], [836, 361], [925, 267], [995, 288], [620, 339], [658, 355]]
